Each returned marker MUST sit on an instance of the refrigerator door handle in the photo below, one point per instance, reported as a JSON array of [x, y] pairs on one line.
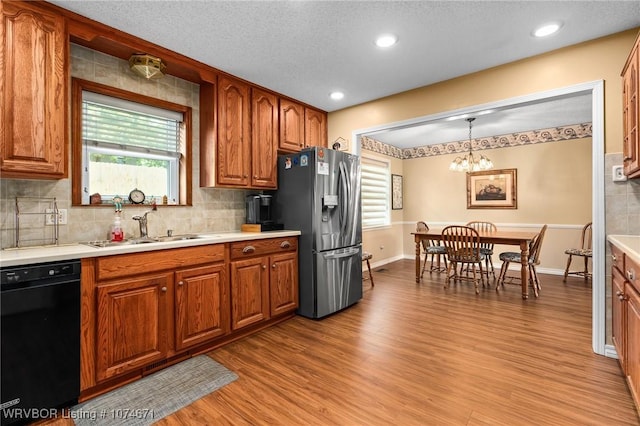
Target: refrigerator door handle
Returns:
[[346, 253], [344, 199]]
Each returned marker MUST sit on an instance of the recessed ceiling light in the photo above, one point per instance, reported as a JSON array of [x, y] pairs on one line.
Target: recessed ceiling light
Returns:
[[386, 40], [547, 29], [336, 96]]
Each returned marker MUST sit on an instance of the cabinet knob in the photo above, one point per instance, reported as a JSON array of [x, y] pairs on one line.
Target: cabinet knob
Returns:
[[631, 274], [264, 267], [614, 258], [621, 297], [285, 244], [618, 293], [248, 249], [255, 176], [180, 282], [273, 266], [627, 158], [164, 289]]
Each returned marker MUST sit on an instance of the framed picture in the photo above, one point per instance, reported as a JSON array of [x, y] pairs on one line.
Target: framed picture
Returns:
[[396, 192], [492, 189]]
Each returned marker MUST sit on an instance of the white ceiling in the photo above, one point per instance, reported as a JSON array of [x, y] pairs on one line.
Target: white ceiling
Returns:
[[307, 49]]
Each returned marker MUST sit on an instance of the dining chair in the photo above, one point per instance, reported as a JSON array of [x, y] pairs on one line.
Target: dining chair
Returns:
[[462, 245], [508, 257], [486, 249], [585, 251], [433, 248]]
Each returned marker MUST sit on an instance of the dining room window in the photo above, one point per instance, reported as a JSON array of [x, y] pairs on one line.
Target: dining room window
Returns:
[[376, 184]]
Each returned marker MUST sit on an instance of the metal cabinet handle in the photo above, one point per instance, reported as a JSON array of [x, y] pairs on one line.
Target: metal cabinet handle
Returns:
[[285, 244], [164, 289], [627, 158], [248, 249], [631, 274], [614, 258]]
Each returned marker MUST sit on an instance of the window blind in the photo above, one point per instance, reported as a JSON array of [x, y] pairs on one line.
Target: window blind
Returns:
[[375, 192], [113, 123]]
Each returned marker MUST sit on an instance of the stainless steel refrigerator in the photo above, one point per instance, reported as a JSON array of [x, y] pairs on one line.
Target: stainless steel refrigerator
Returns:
[[319, 194]]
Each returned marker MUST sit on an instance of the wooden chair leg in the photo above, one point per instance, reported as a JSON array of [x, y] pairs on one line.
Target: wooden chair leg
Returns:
[[586, 268], [566, 271], [424, 266], [502, 275]]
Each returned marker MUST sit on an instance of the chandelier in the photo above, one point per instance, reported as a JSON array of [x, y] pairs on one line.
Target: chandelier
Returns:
[[469, 163]]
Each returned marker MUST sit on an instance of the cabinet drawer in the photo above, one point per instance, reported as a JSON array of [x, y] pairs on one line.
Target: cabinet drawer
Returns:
[[617, 258], [244, 249], [138, 263], [632, 272]]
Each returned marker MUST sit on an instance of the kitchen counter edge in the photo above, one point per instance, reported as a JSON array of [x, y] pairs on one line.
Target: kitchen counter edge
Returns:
[[630, 244], [33, 255]]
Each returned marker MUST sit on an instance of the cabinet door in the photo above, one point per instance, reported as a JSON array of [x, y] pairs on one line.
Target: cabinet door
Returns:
[[249, 292], [630, 115], [315, 128], [202, 305], [633, 342], [234, 144], [33, 92], [132, 324], [618, 313], [283, 283], [291, 125], [264, 139]]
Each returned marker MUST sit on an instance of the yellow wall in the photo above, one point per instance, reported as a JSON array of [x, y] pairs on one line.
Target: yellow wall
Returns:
[[600, 59]]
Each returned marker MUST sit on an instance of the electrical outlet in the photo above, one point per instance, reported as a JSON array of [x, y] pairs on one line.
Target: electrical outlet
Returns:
[[618, 174], [50, 218]]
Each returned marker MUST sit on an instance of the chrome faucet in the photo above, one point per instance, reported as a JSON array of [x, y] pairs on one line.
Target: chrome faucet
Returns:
[[142, 220]]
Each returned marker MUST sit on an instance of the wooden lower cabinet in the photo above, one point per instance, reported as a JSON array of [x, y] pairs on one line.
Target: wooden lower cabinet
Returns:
[[618, 316], [625, 312], [143, 311], [264, 280], [202, 305], [249, 292], [132, 324], [283, 283], [633, 342]]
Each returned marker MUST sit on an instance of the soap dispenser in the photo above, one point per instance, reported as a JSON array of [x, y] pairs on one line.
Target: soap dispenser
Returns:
[[117, 233]]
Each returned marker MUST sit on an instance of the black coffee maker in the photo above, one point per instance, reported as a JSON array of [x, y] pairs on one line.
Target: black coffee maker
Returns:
[[259, 209]]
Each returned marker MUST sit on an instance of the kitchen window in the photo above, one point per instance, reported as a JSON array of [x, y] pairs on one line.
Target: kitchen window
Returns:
[[376, 186], [128, 141]]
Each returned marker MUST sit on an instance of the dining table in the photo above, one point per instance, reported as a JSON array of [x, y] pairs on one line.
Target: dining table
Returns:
[[516, 238]]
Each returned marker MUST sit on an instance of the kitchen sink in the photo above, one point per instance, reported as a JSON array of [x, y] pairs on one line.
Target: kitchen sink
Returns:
[[177, 237], [145, 240]]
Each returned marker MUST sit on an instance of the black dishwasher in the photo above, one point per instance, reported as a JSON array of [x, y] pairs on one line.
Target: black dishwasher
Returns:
[[40, 347]]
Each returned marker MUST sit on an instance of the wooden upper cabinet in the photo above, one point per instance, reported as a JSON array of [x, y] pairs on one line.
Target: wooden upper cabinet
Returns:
[[631, 112], [315, 128], [291, 125], [33, 92], [264, 139], [234, 127]]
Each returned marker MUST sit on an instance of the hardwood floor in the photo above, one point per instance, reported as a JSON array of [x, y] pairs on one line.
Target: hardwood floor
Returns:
[[415, 354], [412, 354]]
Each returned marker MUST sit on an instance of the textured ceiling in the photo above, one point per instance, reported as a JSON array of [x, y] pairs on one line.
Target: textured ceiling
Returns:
[[307, 49]]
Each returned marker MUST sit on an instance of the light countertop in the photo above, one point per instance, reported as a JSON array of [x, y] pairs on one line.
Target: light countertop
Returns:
[[31, 255], [630, 244]]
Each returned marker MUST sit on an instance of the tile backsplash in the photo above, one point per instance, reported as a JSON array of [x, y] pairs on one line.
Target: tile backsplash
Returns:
[[213, 209], [622, 200]]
